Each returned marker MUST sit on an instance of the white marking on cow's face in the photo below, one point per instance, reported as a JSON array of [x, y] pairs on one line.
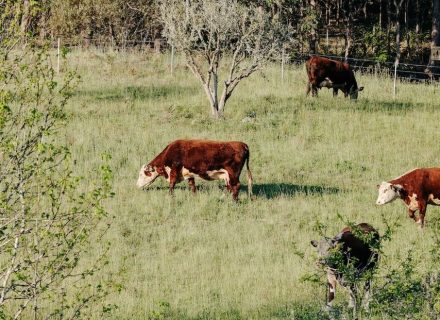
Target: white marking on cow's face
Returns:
[[323, 247], [219, 174], [413, 203], [147, 175], [387, 193]]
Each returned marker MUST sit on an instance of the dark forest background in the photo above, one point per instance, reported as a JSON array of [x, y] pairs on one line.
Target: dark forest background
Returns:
[[383, 30]]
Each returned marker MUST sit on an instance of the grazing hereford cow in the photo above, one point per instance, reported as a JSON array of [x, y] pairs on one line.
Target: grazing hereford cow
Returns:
[[347, 257], [323, 72], [209, 160], [417, 188]]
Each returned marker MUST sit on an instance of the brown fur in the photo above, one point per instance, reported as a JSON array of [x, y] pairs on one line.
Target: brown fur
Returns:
[[200, 156], [319, 69], [353, 249], [423, 183]]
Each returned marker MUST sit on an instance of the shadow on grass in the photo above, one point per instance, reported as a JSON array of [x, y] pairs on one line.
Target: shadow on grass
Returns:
[[136, 92], [273, 190], [372, 105]]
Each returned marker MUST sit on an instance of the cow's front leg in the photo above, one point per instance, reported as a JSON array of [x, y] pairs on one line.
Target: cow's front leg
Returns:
[[412, 214], [331, 291], [234, 185], [173, 180], [192, 184], [422, 211], [335, 92], [367, 295], [309, 87], [314, 90]]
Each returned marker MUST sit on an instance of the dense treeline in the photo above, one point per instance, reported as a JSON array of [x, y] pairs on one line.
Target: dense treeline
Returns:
[[380, 29]]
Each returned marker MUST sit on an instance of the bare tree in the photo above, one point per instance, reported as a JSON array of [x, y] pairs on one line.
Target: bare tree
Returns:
[[221, 35]]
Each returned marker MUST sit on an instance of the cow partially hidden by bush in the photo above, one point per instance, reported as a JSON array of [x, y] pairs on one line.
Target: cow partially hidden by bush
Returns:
[[323, 72], [350, 259], [209, 160]]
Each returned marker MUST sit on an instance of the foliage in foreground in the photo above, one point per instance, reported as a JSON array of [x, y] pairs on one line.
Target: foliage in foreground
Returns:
[[48, 216]]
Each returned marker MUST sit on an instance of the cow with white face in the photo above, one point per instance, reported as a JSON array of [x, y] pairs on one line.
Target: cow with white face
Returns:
[[417, 188], [388, 192], [147, 175], [205, 159]]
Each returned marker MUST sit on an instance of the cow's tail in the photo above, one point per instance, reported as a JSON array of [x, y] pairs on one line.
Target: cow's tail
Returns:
[[249, 174]]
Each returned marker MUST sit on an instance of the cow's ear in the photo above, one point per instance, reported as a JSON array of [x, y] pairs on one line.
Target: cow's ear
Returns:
[[314, 243], [397, 187], [361, 88], [378, 186]]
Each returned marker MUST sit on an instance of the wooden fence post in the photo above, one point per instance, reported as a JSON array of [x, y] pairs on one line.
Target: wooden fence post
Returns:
[[282, 65], [172, 60], [395, 77]]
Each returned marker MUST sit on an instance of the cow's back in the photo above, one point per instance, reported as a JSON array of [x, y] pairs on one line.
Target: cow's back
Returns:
[[360, 244], [319, 68], [420, 180], [203, 155]]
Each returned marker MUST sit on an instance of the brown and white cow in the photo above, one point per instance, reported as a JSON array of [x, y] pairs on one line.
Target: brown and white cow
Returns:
[[417, 188], [209, 160], [347, 257], [323, 72]]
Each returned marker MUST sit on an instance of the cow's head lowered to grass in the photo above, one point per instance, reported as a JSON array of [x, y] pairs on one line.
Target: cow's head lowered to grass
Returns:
[[354, 92], [147, 175], [388, 192]]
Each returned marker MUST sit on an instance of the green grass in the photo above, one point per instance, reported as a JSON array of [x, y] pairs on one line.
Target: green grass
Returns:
[[203, 256]]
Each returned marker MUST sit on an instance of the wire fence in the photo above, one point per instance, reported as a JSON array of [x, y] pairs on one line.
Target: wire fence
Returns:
[[404, 71]]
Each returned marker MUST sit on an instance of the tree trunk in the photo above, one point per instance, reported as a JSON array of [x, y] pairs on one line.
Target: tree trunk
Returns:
[[348, 32], [312, 40], [388, 27], [407, 35], [25, 17], [380, 14], [397, 7], [435, 33]]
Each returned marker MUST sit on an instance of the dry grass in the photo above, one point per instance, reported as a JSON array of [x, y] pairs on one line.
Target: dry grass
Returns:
[[207, 257]]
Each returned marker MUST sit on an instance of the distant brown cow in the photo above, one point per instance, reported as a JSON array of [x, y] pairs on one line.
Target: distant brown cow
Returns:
[[323, 72], [358, 246], [417, 188], [209, 160]]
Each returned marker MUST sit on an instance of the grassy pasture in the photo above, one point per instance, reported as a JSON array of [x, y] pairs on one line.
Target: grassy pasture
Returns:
[[206, 257]]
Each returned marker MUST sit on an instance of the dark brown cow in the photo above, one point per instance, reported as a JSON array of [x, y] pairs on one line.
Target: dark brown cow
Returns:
[[417, 188], [357, 246], [209, 160], [323, 72]]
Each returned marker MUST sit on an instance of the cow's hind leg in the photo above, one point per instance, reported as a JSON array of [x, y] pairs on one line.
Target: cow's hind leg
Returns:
[[192, 184], [233, 185], [352, 303]]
